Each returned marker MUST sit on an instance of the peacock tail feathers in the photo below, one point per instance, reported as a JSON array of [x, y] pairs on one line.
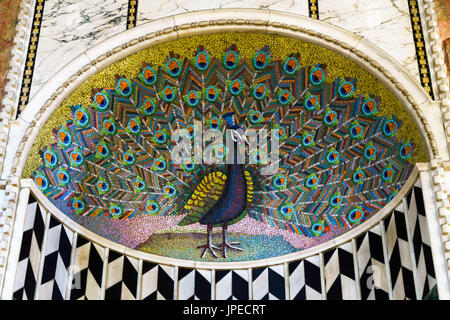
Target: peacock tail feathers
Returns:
[[205, 196], [339, 159]]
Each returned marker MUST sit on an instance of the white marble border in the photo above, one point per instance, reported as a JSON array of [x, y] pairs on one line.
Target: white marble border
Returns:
[[439, 67], [15, 74], [376, 61]]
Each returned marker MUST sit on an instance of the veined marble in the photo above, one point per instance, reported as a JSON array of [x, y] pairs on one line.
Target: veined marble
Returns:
[[153, 9], [69, 27], [385, 23]]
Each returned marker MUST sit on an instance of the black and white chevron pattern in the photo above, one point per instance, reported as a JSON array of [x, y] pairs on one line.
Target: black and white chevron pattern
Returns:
[[157, 281], [232, 285], [30, 251], [268, 283], [400, 263], [304, 279], [371, 266], [87, 270], [339, 273], [55, 271], [194, 284], [421, 241], [121, 277]]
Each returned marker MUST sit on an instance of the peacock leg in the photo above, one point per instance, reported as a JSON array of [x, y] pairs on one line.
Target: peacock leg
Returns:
[[225, 244], [209, 246]]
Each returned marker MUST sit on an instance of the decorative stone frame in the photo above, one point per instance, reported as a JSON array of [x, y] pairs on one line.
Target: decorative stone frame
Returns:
[[24, 130]]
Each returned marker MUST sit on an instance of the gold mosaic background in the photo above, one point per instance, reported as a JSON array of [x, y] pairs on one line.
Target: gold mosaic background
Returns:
[[337, 66]]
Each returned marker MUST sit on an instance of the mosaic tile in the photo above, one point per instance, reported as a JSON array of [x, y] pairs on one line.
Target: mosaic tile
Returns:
[[157, 282], [55, 270], [400, 262], [421, 241], [371, 266], [339, 273], [121, 277], [268, 283], [304, 279], [87, 270], [232, 285], [194, 284], [30, 251]]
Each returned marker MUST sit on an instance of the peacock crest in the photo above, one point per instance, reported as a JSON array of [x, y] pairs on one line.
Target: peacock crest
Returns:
[[338, 160]]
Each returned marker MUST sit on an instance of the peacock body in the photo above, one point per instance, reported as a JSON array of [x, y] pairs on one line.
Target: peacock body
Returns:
[[338, 160]]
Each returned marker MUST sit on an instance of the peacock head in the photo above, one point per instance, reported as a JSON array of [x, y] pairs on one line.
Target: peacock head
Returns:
[[237, 133]]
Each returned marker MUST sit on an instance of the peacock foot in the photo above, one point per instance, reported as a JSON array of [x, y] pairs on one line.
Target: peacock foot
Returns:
[[229, 245], [208, 247]]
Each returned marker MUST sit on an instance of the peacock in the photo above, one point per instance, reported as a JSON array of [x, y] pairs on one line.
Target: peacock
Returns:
[[221, 198], [328, 158]]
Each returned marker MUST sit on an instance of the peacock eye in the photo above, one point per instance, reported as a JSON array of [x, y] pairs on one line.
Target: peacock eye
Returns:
[[169, 190], [311, 103], [64, 138], [152, 207], [81, 117], [101, 101], [369, 107]]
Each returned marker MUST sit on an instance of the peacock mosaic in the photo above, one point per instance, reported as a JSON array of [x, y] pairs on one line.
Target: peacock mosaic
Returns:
[[329, 156]]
